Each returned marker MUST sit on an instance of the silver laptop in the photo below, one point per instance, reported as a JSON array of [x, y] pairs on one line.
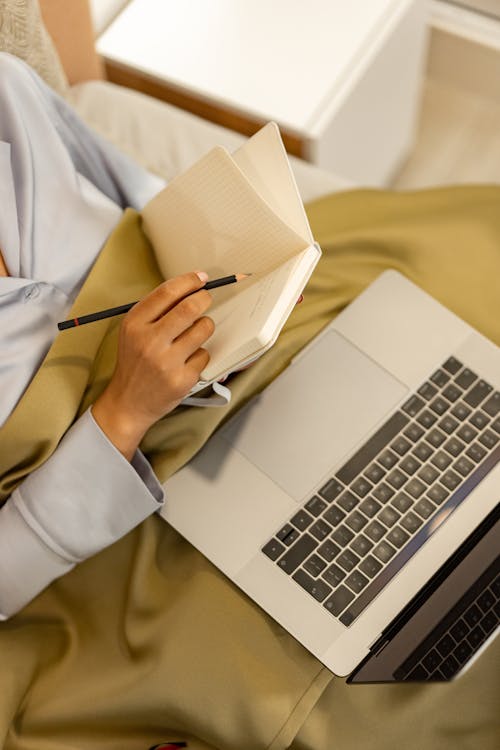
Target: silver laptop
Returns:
[[356, 499]]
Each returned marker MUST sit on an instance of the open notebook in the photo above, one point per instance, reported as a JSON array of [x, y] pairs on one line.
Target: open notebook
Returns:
[[239, 213]]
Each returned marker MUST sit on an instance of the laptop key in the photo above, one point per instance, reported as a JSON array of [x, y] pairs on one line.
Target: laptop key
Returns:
[[411, 522], [467, 433], [410, 464], [478, 393], [489, 439], [413, 405], [428, 474], [476, 636], [288, 534], [388, 459], [273, 549], [370, 506], [314, 565], [451, 479], [448, 424], [388, 516], [439, 405], [462, 652], [401, 445], [459, 630], [452, 365], [431, 660], [424, 508], [460, 411], [446, 645], [476, 452], [331, 490], [356, 521], [489, 622], [422, 451], [334, 515], [473, 615], [361, 487], [342, 535], [370, 566], [466, 378], [334, 575], [438, 494], [383, 492], [297, 553], [384, 551], [356, 581], [449, 666], [320, 529], [479, 420], [316, 505], [452, 393], [397, 536], [339, 600], [440, 378], [402, 502], [454, 446], [414, 432], [375, 531], [328, 550], [375, 473], [347, 560], [463, 466], [492, 405], [426, 419], [317, 588], [396, 479], [441, 460], [361, 545], [486, 601], [348, 501], [301, 520], [427, 391], [435, 437]]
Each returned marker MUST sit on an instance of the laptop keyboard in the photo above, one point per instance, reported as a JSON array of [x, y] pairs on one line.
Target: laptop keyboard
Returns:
[[362, 525], [459, 635]]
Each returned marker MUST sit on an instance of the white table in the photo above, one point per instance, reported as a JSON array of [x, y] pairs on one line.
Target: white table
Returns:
[[342, 79]]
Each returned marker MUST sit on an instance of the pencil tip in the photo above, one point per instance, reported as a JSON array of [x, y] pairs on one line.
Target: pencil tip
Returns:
[[241, 276]]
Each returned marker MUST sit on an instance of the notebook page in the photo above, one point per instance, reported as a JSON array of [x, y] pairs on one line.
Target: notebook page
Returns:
[[210, 218], [251, 326], [264, 162]]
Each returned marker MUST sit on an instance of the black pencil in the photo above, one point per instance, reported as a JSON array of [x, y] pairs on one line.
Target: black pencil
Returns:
[[112, 311]]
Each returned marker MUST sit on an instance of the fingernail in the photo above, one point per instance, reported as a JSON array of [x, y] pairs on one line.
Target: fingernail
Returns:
[[202, 276]]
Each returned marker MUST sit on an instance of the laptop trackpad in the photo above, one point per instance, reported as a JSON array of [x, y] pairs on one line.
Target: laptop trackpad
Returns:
[[306, 423]]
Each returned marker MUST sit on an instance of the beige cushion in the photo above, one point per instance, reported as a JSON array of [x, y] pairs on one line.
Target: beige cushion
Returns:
[[23, 34], [167, 140]]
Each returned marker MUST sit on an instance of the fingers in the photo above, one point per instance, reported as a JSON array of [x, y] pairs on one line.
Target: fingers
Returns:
[[197, 363], [194, 337], [162, 299], [184, 315]]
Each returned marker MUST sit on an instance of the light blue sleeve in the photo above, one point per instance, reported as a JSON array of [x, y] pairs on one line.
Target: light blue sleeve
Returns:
[[82, 499]]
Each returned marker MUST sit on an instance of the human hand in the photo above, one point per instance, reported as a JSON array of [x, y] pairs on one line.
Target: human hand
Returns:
[[159, 359]]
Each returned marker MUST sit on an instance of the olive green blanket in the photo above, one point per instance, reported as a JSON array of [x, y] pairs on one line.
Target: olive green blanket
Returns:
[[146, 641]]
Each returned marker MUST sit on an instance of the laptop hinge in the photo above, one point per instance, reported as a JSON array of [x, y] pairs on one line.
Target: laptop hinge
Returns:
[[413, 605], [378, 645]]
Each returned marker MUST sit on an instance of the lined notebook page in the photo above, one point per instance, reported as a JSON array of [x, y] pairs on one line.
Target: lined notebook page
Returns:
[[211, 218]]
